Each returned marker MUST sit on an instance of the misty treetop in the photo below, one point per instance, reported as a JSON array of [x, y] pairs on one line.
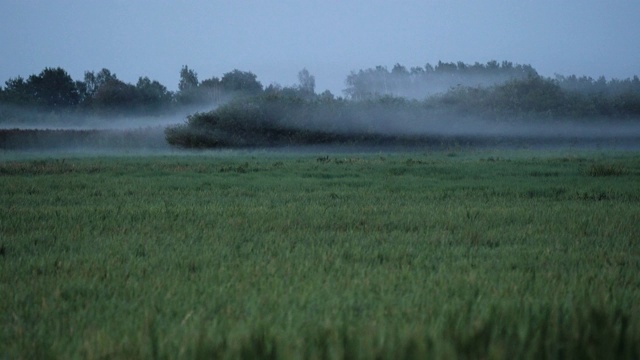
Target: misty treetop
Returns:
[[215, 90], [421, 82], [493, 90], [102, 93], [52, 88], [290, 116]]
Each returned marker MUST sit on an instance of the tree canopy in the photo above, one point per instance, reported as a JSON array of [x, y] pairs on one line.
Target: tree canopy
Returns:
[[493, 90], [421, 82], [52, 89], [103, 93]]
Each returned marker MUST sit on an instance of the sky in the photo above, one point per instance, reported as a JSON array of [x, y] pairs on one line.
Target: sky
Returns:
[[276, 39]]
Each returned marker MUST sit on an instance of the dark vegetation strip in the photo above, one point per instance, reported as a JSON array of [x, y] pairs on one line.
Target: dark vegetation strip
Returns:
[[278, 118], [43, 139], [378, 103], [156, 139]]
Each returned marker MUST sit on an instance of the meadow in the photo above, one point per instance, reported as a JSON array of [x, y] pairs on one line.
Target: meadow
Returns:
[[249, 254]]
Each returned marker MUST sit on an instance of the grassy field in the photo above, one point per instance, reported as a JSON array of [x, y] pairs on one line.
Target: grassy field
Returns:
[[273, 255]]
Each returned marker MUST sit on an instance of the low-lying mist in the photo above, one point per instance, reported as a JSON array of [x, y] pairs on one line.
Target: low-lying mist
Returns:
[[286, 119], [497, 104], [16, 117], [36, 130]]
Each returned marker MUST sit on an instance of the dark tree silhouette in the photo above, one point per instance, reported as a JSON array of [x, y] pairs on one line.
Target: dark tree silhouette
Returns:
[[52, 89], [241, 81]]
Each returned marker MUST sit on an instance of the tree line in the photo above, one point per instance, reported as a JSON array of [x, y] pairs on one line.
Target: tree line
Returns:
[[492, 90], [293, 116], [102, 93], [421, 82]]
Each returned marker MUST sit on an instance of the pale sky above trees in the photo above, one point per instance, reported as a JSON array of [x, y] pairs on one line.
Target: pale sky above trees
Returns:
[[277, 39]]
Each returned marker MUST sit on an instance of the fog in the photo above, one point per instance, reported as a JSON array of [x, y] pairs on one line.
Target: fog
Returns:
[[34, 119], [275, 39], [482, 133], [392, 129], [90, 134]]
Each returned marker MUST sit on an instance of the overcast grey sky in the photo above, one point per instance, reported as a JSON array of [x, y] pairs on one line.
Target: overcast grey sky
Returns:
[[276, 39]]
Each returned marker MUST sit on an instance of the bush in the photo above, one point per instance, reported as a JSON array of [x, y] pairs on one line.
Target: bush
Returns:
[[286, 116]]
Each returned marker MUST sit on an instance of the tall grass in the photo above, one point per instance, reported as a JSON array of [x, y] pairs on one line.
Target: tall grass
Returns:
[[333, 256], [606, 170]]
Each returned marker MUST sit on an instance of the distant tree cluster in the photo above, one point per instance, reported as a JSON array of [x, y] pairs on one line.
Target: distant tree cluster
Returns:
[[215, 90], [285, 116], [52, 88], [537, 97], [499, 90], [421, 82], [376, 99], [103, 93]]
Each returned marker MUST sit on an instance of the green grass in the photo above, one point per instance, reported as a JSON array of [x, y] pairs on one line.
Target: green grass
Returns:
[[258, 255]]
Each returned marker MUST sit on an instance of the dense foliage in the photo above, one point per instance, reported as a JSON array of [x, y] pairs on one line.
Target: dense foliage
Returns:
[[134, 139], [380, 105], [538, 97], [289, 116], [102, 93], [421, 82], [52, 89]]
